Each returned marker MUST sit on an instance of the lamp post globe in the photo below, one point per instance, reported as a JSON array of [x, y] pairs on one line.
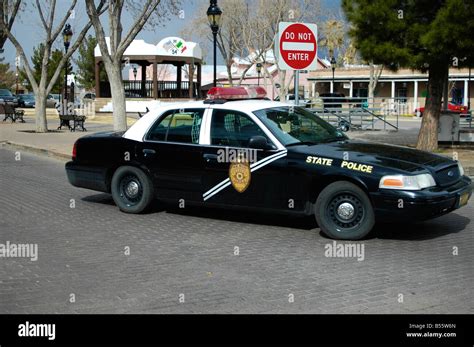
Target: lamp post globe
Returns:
[[214, 16], [259, 70]]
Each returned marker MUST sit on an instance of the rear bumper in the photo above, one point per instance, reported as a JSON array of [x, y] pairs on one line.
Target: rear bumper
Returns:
[[398, 205], [81, 176]]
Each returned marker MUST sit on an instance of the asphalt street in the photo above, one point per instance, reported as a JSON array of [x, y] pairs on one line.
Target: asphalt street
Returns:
[[94, 259]]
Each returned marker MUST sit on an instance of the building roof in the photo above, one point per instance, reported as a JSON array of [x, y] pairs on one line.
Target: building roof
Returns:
[[168, 49]]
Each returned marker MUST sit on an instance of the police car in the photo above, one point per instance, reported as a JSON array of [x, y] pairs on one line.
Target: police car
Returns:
[[239, 150]]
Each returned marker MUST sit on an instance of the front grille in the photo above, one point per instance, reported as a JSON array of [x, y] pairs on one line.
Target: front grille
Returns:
[[447, 176]]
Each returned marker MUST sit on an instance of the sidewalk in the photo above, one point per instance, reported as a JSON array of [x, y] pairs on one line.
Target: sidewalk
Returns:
[[55, 143], [59, 143]]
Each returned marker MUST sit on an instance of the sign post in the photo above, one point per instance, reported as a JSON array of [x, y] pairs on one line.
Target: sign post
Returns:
[[297, 49]]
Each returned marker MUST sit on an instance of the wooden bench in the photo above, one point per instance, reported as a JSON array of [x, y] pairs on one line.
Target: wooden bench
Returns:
[[78, 122], [10, 112]]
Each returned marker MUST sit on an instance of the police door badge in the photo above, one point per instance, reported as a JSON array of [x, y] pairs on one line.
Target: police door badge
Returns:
[[239, 174]]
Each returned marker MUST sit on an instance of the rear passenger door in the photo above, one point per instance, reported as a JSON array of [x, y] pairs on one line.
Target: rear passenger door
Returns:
[[172, 152]]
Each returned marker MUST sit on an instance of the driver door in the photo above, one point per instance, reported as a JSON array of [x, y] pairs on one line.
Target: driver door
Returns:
[[230, 132]]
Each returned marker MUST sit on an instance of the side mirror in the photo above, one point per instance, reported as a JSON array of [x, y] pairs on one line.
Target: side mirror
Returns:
[[259, 142]]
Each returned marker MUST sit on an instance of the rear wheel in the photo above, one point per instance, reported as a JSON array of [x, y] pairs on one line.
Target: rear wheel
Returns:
[[132, 189], [343, 211]]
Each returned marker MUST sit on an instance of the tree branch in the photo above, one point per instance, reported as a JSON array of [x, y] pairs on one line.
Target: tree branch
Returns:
[[17, 45], [63, 22], [149, 8]]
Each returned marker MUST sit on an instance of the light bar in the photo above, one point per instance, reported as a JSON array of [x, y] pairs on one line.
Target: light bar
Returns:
[[236, 93]]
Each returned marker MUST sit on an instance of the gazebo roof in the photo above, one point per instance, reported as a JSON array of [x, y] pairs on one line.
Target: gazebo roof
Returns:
[[168, 49]]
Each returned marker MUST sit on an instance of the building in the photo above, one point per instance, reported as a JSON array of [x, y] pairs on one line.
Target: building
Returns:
[[405, 85]]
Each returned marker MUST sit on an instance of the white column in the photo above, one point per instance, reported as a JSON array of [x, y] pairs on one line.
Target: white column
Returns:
[[415, 95], [331, 89], [351, 89], [393, 91], [466, 94]]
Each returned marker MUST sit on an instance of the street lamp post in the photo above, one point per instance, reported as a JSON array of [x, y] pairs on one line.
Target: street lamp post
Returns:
[[67, 34], [469, 92], [333, 67], [214, 16], [259, 70], [16, 89], [134, 73]]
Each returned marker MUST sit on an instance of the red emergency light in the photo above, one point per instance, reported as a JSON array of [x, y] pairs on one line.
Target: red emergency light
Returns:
[[236, 93]]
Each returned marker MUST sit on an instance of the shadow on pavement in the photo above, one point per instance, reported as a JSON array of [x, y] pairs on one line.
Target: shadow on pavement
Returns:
[[431, 229], [448, 224]]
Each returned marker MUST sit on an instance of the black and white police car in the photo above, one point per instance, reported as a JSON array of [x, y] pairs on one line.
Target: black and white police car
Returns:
[[239, 150]]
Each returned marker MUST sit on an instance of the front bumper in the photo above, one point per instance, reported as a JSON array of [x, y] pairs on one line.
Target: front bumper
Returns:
[[399, 205]]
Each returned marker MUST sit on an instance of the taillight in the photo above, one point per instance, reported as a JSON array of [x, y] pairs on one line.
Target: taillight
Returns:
[[74, 151]]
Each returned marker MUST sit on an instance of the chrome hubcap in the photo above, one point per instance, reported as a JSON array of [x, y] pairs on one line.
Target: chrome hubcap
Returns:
[[132, 189], [345, 211]]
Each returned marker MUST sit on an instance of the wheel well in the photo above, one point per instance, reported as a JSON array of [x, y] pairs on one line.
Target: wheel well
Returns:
[[318, 184]]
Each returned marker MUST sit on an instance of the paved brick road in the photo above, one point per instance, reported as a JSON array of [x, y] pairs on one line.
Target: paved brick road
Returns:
[[81, 252]]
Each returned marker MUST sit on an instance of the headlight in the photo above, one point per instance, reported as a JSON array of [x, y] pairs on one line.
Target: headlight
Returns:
[[461, 169], [403, 182]]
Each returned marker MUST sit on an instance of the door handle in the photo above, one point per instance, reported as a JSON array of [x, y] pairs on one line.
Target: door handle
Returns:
[[149, 152], [210, 157]]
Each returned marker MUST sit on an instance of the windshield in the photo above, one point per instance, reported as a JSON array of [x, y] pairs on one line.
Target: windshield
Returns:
[[294, 125], [5, 92], [27, 97]]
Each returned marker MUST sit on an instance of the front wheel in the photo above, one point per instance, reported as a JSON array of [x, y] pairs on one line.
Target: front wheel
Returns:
[[343, 211], [132, 189]]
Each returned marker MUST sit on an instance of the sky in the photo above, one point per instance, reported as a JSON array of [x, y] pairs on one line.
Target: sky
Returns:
[[28, 30]]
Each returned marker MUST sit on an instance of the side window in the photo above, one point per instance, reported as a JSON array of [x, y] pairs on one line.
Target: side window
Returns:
[[232, 128], [177, 126]]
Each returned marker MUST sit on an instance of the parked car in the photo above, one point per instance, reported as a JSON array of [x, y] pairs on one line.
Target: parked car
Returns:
[[88, 96], [333, 100], [240, 151], [51, 101], [26, 100], [290, 99], [451, 107], [7, 97]]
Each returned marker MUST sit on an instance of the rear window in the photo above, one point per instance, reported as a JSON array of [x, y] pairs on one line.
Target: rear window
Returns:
[[5, 92], [182, 126]]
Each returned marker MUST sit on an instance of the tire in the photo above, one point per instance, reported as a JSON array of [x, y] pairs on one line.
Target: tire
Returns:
[[132, 190], [352, 223]]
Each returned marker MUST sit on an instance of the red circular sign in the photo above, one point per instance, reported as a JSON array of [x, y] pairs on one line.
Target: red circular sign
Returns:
[[298, 46]]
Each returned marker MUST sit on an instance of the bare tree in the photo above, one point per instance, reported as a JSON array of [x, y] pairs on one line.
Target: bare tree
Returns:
[[375, 72], [333, 31], [271, 13], [8, 12], [230, 36], [112, 52], [52, 31]]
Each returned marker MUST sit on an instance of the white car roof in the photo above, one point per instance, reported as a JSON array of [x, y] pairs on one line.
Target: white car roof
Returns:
[[137, 130]]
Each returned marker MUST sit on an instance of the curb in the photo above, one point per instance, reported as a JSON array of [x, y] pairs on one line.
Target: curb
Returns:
[[35, 150]]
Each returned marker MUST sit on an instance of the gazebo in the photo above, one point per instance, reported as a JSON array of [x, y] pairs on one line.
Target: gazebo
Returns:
[[171, 50]]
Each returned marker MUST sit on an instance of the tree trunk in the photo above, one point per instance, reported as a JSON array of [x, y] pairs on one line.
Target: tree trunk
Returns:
[[428, 135], [40, 111], [118, 96], [229, 74]]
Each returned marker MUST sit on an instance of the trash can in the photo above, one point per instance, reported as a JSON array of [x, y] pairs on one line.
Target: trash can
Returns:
[[448, 130]]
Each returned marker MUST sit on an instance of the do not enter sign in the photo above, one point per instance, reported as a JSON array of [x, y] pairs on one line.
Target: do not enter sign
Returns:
[[298, 46]]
